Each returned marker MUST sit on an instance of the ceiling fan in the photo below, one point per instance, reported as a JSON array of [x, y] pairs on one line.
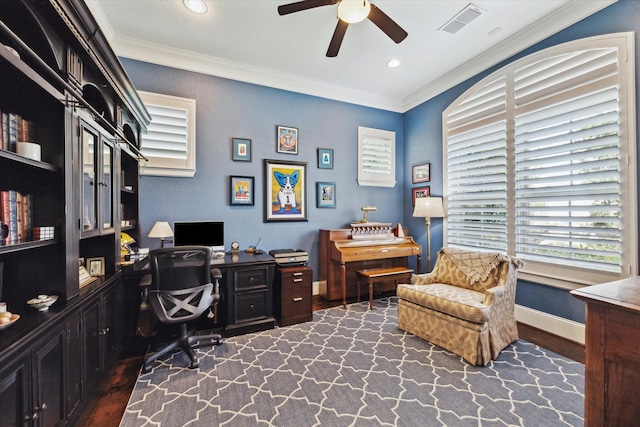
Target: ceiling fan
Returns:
[[349, 12]]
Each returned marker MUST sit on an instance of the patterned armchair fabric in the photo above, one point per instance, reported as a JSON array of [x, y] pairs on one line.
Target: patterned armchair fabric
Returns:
[[466, 304]]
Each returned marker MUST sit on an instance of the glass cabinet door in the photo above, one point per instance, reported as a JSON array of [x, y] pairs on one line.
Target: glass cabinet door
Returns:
[[89, 184], [106, 185]]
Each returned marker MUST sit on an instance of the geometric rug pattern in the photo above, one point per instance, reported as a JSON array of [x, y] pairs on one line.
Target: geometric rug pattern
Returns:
[[354, 367]]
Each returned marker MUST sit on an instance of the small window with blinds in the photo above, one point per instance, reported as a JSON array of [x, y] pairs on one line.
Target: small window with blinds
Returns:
[[540, 163], [376, 157], [169, 144]]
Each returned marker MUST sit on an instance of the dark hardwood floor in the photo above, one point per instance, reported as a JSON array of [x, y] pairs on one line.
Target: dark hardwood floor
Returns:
[[106, 409]]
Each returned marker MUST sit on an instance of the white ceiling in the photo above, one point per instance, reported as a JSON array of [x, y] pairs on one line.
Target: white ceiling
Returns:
[[247, 40]]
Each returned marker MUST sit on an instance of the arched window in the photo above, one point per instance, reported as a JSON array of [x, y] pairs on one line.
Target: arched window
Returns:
[[539, 163]]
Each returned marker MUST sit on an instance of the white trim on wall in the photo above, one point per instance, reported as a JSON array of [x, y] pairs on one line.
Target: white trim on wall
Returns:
[[565, 328]]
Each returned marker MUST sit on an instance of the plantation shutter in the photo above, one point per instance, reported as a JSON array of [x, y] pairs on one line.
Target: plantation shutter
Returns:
[[567, 155], [376, 157], [540, 163], [476, 169], [169, 144]]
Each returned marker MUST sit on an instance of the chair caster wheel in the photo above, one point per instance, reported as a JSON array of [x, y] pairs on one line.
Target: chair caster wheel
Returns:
[[194, 365]]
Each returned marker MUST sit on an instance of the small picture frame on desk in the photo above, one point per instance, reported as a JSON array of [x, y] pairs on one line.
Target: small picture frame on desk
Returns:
[[95, 266]]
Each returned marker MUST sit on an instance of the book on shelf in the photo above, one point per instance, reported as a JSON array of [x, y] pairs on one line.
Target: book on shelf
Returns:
[[15, 128], [16, 211]]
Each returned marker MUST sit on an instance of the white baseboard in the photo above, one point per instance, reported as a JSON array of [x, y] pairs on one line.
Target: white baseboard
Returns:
[[316, 288], [565, 328]]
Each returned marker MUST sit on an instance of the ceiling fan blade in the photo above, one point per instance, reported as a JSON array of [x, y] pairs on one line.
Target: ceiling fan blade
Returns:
[[386, 24], [336, 40], [299, 6]]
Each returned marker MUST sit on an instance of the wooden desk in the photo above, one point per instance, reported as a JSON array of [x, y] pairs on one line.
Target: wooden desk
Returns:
[[612, 378], [341, 257]]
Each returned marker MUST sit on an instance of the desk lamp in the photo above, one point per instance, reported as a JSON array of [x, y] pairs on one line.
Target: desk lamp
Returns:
[[428, 207], [161, 230]]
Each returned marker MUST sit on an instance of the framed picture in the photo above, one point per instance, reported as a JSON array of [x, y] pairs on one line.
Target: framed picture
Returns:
[[287, 140], [95, 266], [241, 149], [325, 158], [326, 194], [420, 192], [420, 173], [285, 193], [242, 188]]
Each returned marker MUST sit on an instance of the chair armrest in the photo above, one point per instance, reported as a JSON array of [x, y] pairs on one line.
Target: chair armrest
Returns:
[[424, 279], [497, 293]]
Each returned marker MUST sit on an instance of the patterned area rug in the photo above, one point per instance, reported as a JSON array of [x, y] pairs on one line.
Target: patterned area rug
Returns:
[[354, 367]]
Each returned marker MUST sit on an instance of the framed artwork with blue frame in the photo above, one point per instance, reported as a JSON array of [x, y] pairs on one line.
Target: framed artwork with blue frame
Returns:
[[326, 194], [241, 149], [242, 190], [325, 158]]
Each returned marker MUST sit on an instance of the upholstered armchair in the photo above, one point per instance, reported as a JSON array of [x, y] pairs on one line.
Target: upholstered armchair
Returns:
[[465, 305]]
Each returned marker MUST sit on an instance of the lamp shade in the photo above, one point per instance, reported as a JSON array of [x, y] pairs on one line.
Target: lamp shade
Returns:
[[353, 11], [428, 207], [160, 230]]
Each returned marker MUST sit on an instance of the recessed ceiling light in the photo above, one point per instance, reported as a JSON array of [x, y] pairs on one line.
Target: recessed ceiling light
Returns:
[[196, 6], [393, 63]]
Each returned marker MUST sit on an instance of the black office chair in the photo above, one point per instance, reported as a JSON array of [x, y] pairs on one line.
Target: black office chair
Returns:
[[181, 291]]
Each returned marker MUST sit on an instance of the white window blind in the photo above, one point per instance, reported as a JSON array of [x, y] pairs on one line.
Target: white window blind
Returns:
[[567, 156], [169, 144], [477, 170], [376, 157], [540, 163]]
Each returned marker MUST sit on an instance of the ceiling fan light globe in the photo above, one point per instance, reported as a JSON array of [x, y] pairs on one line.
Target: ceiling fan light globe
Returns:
[[354, 11]]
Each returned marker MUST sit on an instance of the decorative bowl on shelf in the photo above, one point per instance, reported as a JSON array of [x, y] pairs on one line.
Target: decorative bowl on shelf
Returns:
[[42, 302], [14, 318]]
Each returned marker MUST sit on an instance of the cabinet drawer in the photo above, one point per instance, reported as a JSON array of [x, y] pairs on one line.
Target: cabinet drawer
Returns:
[[250, 279], [296, 301], [251, 306], [295, 277]]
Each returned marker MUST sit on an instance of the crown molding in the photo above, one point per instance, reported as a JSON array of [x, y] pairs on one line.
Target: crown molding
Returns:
[[567, 15]]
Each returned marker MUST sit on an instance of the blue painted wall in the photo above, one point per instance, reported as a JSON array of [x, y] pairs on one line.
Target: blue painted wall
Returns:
[[423, 141], [226, 109]]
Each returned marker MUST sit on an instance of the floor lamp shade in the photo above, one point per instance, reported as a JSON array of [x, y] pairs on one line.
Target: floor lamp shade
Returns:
[[427, 208], [161, 230]]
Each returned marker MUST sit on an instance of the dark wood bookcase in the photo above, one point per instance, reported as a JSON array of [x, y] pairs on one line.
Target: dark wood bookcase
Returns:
[[58, 72]]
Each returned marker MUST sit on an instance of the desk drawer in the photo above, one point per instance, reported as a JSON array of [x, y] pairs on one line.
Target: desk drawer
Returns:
[[251, 306], [245, 280]]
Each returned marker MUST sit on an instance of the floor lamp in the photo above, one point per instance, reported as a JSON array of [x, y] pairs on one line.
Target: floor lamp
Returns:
[[427, 208], [161, 230]]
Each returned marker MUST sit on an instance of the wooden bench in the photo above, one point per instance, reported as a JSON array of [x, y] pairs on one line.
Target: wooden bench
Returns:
[[377, 275]]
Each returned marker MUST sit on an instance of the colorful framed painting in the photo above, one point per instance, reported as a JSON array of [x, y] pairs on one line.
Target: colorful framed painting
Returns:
[[287, 140], [326, 194], [242, 190], [420, 173], [420, 192], [241, 149], [285, 191], [325, 158]]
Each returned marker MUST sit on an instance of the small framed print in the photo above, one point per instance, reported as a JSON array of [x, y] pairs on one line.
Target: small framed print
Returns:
[[420, 192], [287, 140], [420, 173], [241, 149], [326, 194], [325, 158], [95, 266], [242, 190]]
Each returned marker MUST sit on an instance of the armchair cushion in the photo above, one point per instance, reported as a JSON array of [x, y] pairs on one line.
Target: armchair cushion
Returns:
[[470, 270], [453, 300]]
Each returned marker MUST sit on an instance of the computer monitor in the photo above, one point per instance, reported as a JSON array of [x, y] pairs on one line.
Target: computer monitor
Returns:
[[202, 233]]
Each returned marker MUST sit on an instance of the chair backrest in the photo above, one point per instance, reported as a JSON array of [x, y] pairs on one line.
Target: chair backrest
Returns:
[[181, 288], [180, 267]]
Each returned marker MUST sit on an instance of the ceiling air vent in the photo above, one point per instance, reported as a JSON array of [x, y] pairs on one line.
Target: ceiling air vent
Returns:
[[462, 18]]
